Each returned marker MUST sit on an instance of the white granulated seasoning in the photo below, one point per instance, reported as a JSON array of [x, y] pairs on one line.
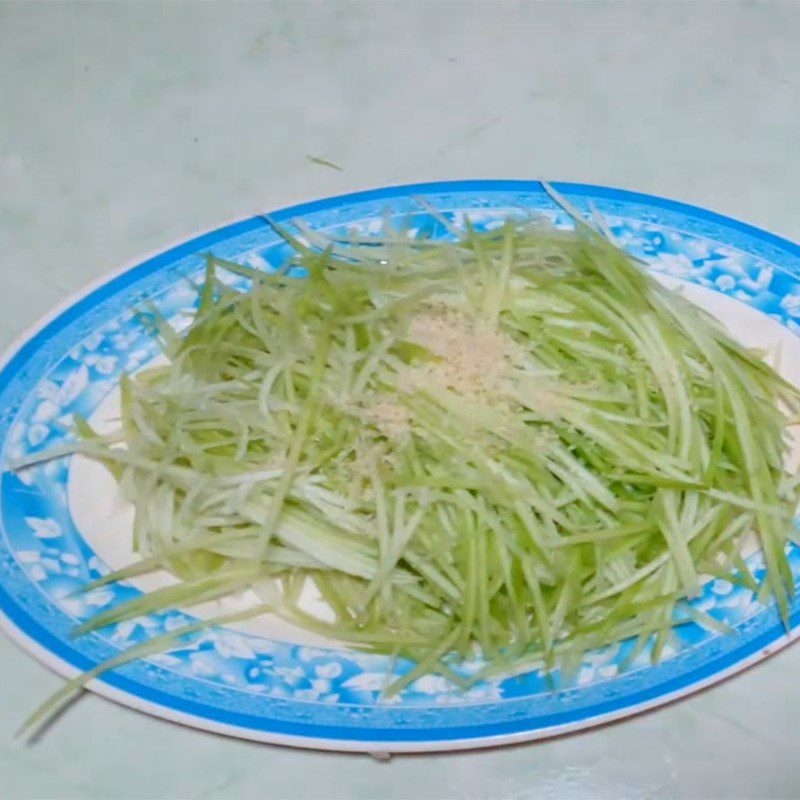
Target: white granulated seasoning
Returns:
[[472, 361], [546, 403], [391, 419]]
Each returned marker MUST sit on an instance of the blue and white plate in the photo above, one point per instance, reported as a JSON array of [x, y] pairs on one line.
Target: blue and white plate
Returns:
[[62, 524]]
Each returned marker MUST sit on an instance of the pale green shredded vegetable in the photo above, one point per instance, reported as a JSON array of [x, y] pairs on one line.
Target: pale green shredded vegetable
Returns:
[[516, 444]]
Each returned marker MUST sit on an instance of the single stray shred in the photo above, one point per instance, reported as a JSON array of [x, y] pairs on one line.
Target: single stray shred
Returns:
[[516, 444]]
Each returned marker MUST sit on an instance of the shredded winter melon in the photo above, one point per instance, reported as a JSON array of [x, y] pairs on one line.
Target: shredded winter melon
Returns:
[[514, 443]]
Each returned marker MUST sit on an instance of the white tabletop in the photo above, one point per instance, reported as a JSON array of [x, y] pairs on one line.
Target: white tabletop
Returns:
[[127, 126]]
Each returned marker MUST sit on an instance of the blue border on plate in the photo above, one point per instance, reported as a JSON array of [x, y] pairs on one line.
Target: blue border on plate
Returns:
[[309, 730]]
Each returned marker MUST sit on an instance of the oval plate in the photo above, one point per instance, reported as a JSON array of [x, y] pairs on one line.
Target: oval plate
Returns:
[[277, 685]]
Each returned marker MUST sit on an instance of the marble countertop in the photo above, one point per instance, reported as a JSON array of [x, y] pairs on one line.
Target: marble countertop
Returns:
[[127, 126]]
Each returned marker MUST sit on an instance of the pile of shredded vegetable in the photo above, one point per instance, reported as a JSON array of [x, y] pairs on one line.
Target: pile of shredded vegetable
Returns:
[[514, 443]]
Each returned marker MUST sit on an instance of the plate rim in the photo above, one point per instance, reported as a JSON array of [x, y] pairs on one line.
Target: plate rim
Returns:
[[191, 243], [379, 747]]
